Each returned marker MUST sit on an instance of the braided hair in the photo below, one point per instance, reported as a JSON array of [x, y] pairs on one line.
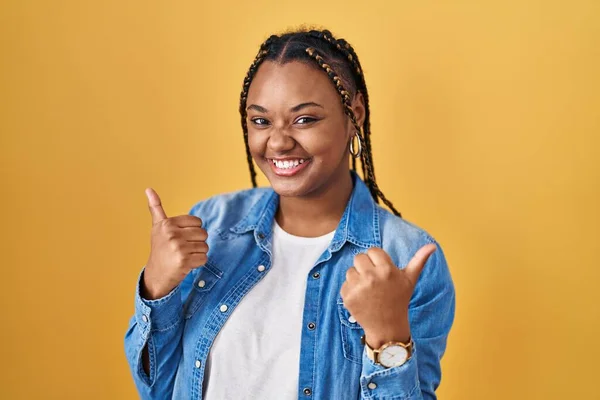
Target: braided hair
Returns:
[[339, 61]]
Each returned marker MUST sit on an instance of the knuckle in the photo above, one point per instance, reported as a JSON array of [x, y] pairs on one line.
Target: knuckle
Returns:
[[343, 290], [176, 246], [171, 235], [376, 252], [179, 259], [370, 280], [348, 299], [386, 272], [359, 258], [192, 220], [349, 273]]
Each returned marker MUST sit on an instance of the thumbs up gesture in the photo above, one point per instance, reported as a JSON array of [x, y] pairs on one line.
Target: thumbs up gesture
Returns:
[[377, 293], [178, 245]]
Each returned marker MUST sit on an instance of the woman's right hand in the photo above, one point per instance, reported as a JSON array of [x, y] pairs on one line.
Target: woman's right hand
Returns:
[[178, 245]]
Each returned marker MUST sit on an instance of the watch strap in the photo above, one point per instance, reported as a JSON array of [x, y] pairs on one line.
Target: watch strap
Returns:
[[373, 354]]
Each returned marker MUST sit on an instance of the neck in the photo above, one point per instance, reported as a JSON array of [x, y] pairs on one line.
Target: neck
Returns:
[[316, 214]]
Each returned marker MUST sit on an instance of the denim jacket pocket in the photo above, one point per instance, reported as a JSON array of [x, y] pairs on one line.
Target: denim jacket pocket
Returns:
[[351, 334], [207, 276]]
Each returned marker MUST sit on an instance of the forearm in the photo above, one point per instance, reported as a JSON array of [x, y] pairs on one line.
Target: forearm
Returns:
[[430, 317], [153, 344], [401, 382]]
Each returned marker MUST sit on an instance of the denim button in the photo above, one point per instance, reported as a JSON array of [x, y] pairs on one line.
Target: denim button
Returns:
[[372, 385], [307, 391], [223, 308], [198, 363], [144, 318], [311, 326], [261, 268], [201, 283], [261, 235], [316, 275]]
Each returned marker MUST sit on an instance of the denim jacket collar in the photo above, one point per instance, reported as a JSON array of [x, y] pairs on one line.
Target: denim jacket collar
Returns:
[[359, 223]]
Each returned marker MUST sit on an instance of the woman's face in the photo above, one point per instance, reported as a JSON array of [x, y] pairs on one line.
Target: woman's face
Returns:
[[298, 133]]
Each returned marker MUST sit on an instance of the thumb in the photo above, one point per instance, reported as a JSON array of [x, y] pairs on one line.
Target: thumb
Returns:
[[155, 207], [416, 264]]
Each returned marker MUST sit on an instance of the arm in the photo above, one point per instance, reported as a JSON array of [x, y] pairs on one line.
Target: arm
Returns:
[[431, 314], [153, 342], [155, 328]]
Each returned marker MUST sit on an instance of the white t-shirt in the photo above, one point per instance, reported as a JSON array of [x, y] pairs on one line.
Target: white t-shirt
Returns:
[[256, 355]]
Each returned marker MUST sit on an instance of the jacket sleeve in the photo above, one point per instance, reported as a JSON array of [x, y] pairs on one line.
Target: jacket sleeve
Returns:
[[431, 314], [157, 324]]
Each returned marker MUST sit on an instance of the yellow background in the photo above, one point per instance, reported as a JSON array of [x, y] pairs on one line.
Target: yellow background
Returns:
[[486, 128]]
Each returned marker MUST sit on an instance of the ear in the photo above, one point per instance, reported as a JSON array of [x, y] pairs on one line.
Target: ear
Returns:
[[358, 107]]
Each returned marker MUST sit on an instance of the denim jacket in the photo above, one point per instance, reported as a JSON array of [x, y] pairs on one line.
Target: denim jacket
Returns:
[[180, 327]]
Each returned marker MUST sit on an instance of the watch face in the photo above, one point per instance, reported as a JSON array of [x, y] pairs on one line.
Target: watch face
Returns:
[[393, 356]]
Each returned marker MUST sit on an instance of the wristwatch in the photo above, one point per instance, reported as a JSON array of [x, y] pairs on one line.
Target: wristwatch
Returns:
[[390, 354]]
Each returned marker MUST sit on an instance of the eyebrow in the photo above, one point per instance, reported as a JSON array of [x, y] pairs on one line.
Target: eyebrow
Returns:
[[293, 109]]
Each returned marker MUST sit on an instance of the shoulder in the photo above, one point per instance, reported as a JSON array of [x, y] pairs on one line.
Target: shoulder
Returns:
[[402, 238], [227, 209]]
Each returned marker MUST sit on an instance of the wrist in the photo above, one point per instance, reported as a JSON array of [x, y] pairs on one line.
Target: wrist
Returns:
[[149, 291], [391, 354], [376, 339]]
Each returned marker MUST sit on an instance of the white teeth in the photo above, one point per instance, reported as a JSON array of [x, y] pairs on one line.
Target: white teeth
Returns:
[[287, 164]]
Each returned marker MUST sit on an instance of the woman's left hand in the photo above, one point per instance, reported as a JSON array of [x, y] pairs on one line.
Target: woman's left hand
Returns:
[[377, 293]]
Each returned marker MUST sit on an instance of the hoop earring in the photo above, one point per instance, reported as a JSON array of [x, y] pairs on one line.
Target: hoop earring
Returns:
[[352, 152]]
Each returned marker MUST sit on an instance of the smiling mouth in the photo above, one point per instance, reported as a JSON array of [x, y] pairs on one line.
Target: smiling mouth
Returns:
[[288, 167]]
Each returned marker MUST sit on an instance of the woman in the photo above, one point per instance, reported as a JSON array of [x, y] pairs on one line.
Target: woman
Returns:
[[310, 288]]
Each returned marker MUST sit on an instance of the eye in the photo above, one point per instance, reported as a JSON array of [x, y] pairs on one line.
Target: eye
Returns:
[[305, 120], [260, 121]]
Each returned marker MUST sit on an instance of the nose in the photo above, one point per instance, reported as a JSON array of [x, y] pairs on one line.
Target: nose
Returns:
[[280, 142]]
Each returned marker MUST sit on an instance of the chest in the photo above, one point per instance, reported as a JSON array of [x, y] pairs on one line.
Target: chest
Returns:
[[298, 289]]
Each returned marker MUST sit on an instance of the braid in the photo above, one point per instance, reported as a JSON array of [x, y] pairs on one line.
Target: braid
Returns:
[[368, 168], [327, 36], [353, 58], [337, 82], [296, 46], [368, 159], [244, 97]]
